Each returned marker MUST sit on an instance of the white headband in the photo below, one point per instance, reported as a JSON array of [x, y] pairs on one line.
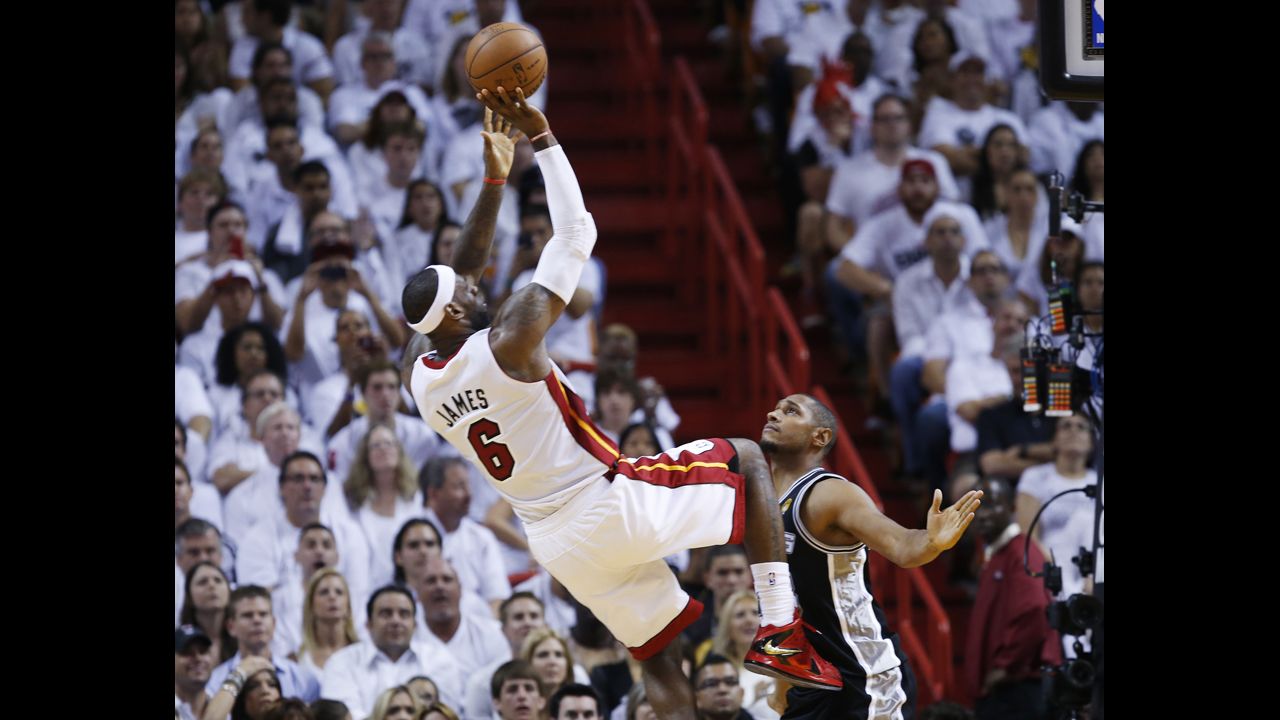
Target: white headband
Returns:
[[446, 280]]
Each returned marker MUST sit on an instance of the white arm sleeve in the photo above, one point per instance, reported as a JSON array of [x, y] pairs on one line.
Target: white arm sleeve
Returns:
[[567, 252]]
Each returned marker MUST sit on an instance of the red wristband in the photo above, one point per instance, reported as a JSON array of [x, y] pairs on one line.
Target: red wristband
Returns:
[[495, 181]]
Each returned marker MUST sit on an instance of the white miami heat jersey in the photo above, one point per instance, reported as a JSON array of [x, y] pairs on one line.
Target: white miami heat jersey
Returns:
[[534, 441]]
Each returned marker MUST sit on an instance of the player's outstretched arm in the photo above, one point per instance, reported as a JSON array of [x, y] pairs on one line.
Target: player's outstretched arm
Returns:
[[525, 317], [843, 512], [476, 239]]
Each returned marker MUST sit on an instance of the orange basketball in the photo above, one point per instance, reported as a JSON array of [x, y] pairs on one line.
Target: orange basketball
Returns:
[[506, 54]]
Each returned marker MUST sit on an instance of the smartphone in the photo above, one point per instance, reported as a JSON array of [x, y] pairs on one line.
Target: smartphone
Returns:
[[367, 343], [236, 246], [333, 272]]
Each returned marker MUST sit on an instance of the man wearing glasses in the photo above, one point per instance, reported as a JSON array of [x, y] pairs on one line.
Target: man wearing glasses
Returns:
[[716, 690]]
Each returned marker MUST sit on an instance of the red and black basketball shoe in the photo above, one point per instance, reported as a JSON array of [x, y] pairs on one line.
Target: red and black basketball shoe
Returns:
[[785, 653]]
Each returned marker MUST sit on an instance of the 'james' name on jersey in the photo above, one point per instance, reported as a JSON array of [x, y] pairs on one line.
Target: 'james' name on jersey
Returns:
[[461, 405]]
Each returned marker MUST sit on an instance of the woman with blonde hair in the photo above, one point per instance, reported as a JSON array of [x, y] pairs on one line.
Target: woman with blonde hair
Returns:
[[551, 659], [327, 624], [735, 629], [439, 711], [396, 703], [382, 491]]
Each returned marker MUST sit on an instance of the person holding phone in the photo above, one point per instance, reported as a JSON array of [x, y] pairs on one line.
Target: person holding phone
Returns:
[[195, 290], [330, 285]]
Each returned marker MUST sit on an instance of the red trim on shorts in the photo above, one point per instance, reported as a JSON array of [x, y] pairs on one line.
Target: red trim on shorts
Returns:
[[691, 612], [578, 422]]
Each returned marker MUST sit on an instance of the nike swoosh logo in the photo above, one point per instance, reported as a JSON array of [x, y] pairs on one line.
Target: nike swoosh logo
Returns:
[[771, 649]]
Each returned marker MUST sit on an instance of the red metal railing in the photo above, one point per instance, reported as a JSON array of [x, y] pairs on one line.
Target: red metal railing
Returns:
[[786, 368], [687, 138], [642, 47]]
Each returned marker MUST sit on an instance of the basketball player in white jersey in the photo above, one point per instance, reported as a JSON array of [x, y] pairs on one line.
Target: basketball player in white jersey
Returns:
[[599, 523], [829, 525]]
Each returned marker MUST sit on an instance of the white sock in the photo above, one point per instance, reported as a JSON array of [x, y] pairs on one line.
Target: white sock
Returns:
[[773, 588]]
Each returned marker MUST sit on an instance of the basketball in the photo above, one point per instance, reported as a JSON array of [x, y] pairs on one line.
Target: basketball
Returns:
[[506, 54]]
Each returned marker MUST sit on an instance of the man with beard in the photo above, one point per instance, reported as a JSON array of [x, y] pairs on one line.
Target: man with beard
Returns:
[[830, 523], [599, 523]]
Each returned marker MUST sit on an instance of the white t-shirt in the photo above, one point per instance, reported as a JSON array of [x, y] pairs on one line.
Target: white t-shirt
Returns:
[[919, 297], [962, 331], [357, 674], [572, 338], [310, 61], [890, 242], [246, 160], [946, 123], [189, 398], [864, 186], [411, 248], [1092, 226], [474, 552], [244, 107], [352, 102], [322, 358], [1056, 137], [413, 57], [1008, 37], [1042, 482], [380, 534], [186, 244], [321, 403], [972, 378], [418, 441], [192, 278], [998, 233], [477, 642]]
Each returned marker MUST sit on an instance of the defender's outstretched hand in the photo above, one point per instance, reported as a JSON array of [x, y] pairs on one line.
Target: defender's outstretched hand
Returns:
[[946, 526], [514, 107], [499, 145]]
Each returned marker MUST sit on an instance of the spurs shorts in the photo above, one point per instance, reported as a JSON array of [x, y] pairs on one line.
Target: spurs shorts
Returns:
[[606, 544]]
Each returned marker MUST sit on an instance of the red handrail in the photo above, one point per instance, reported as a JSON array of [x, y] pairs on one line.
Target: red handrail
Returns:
[[642, 46], [723, 199], [687, 126], [787, 372]]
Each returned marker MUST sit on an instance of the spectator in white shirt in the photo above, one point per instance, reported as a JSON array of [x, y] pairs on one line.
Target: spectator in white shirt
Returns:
[[284, 247], [956, 127], [923, 293], [1000, 155], [235, 288], [192, 501], [254, 501], [267, 21], [868, 184], [384, 199], [1087, 179], [412, 62], [237, 454], [317, 552], [382, 491], [192, 664], [198, 192], [328, 623], [473, 641], [309, 325], [271, 62], [379, 386], [1017, 234], [192, 409], [549, 655], [195, 541], [932, 47], [975, 383], [195, 292], [206, 152], [1059, 131], [520, 614], [332, 402], [471, 547], [350, 106], [357, 674], [413, 245], [1061, 257], [268, 556]]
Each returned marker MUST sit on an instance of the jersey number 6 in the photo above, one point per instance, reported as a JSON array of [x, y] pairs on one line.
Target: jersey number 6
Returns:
[[495, 456]]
